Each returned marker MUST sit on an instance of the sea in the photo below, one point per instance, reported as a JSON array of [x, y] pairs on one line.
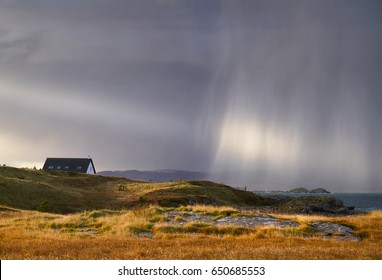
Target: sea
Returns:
[[361, 201]]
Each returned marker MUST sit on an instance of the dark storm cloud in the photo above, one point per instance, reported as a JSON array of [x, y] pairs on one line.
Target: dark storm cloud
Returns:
[[297, 104], [286, 91], [149, 60], [127, 49]]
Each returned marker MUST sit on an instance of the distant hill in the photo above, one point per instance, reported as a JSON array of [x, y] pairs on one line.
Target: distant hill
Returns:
[[163, 175], [319, 190], [68, 192], [303, 190]]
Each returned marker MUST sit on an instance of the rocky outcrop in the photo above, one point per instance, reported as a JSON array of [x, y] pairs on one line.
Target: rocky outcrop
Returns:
[[249, 221], [334, 230], [190, 222], [256, 220], [328, 205], [310, 205]]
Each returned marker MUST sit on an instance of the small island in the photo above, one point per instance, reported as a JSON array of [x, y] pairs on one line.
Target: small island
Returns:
[[304, 190]]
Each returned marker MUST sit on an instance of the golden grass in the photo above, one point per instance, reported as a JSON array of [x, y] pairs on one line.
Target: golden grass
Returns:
[[105, 234], [208, 209], [192, 247], [367, 226]]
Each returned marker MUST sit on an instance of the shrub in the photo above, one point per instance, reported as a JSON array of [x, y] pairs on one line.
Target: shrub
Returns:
[[139, 228], [42, 207], [142, 200], [302, 231], [158, 219]]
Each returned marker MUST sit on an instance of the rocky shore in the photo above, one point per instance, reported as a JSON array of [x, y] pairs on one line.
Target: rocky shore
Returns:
[[325, 205]]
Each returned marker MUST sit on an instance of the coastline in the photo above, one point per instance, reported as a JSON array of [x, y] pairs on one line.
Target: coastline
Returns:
[[366, 202]]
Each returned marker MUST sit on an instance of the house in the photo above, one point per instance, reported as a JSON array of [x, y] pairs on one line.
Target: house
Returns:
[[81, 165]]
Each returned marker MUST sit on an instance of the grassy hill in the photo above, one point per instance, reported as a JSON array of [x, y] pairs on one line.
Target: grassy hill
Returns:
[[65, 192], [96, 217]]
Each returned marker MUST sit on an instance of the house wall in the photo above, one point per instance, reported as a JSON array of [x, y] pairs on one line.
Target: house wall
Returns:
[[90, 169]]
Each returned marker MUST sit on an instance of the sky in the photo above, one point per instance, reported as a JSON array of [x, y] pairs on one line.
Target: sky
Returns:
[[268, 93]]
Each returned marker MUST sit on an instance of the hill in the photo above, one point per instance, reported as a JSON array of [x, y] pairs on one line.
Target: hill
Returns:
[[319, 190], [314, 191], [163, 175], [66, 192]]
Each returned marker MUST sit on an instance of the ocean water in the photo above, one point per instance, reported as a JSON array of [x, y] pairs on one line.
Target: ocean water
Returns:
[[361, 201]]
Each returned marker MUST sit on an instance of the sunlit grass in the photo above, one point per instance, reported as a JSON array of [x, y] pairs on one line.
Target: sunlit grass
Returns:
[[210, 209], [142, 220], [367, 226], [108, 234]]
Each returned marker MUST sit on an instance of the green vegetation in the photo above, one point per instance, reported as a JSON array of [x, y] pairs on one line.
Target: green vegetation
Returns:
[[56, 192], [68, 192]]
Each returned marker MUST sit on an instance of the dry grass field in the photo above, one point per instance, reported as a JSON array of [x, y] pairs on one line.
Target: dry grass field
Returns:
[[59, 215], [106, 234]]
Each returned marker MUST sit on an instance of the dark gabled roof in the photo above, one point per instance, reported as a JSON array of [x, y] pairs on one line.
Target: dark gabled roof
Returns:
[[69, 164]]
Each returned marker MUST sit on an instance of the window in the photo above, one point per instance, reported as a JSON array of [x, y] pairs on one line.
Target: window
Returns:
[[58, 167], [50, 167], [66, 167], [79, 167]]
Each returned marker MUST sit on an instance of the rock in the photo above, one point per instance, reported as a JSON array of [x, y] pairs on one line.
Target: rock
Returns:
[[255, 220], [313, 204], [249, 221], [325, 210], [307, 210], [333, 230], [332, 202], [343, 211], [318, 209], [252, 220]]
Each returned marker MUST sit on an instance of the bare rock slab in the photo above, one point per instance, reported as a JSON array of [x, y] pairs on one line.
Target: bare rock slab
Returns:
[[334, 230]]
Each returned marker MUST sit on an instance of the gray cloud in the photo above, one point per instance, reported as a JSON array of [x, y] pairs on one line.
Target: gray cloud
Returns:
[[287, 92], [19, 49]]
